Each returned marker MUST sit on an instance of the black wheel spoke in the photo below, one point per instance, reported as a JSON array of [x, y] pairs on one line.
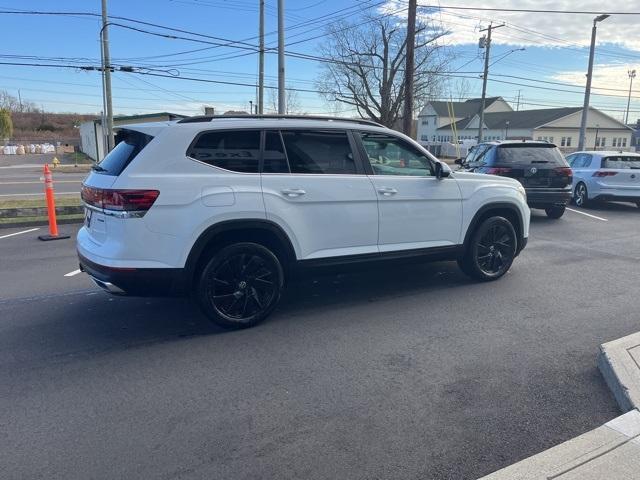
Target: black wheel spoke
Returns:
[[227, 295], [242, 286], [495, 249]]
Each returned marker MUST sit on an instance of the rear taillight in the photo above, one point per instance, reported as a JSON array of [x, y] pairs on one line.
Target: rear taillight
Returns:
[[120, 200], [604, 173], [497, 170], [563, 171]]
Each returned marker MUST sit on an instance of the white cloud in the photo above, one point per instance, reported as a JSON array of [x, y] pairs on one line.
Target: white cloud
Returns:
[[604, 75], [549, 30]]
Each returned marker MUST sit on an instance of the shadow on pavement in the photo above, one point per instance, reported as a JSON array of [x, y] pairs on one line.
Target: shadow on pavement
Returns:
[[95, 322]]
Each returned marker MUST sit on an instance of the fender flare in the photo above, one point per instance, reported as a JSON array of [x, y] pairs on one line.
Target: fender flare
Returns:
[[211, 232], [496, 206]]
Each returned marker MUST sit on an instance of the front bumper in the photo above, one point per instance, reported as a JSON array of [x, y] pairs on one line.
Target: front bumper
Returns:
[[143, 282], [548, 197]]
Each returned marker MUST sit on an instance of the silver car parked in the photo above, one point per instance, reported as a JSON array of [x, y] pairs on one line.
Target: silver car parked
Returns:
[[605, 175]]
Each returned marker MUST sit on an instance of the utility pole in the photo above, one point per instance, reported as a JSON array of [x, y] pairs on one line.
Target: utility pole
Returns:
[[518, 101], [632, 75], [282, 100], [587, 90], [486, 44], [261, 61], [106, 68], [407, 116]]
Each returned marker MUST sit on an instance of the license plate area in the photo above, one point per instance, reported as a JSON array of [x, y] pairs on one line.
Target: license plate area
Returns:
[[535, 177]]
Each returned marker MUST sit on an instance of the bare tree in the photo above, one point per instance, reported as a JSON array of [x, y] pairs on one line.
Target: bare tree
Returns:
[[292, 100], [365, 66], [461, 89], [13, 104]]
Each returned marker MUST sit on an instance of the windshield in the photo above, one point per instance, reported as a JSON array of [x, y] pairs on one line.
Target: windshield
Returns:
[[129, 143], [528, 154], [621, 162]]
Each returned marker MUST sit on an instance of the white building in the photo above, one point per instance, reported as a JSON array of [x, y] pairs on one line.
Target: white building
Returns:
[[92, 136], [555, 125], [438, 115]]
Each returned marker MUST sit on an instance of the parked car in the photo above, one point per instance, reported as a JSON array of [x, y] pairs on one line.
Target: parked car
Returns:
[[539, 166], [605, 175], [226, 208]]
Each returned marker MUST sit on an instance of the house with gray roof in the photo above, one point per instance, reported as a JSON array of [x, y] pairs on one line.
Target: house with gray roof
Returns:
[[438, 114], [555, 125]]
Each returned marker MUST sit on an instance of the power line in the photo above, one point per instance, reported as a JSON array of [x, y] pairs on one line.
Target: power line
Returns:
[[529, 10]]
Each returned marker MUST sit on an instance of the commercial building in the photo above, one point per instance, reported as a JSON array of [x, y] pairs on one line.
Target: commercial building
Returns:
[[92, 133]]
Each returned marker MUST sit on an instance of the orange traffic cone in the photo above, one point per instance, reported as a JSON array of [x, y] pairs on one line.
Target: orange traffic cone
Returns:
[[51, 208]]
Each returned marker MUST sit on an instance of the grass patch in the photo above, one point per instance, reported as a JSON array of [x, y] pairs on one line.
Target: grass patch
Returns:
[[40, 202], [77, 158], [44, 220]]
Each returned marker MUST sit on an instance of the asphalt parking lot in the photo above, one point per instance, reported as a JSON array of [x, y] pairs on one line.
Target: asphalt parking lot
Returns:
[[405, 372]]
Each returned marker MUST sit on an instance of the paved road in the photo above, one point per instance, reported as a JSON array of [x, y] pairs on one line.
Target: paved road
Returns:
[[405, 372], [20, 177]]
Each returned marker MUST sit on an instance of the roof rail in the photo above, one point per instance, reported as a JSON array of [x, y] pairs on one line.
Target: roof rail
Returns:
[[209, 118]]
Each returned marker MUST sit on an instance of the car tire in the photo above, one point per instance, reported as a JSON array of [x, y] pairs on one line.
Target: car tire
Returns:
[[491, 250], [581, 195], [240, 285], [555, 212]]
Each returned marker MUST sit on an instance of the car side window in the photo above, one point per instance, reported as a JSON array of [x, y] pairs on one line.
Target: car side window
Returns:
[[319, 152], [571, 159], [234, 150], [389, 155], [274, 160], [586, 160]]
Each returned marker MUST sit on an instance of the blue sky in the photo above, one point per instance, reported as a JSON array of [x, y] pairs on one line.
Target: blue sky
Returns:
[[556, 51]]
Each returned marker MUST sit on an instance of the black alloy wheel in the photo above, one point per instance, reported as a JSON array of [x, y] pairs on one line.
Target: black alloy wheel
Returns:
[[491, 251], [241, 285]]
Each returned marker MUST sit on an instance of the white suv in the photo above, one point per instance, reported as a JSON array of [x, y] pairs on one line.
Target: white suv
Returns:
[[226, 208]]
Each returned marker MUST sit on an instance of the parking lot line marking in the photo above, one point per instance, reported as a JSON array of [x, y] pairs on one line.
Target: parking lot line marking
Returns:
[[20, 233], [71, 274], [588, 214]]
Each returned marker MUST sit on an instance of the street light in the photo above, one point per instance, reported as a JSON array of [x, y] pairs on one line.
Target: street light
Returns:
[[587, 90], [632, 75]]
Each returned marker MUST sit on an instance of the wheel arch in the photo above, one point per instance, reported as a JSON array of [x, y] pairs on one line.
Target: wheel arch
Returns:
[[262, 232], [504, 209]]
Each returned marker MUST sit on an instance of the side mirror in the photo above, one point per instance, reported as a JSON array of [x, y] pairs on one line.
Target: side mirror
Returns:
[[459, 161], [442, 171]]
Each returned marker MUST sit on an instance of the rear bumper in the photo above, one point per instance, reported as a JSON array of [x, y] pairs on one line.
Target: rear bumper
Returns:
[[548, 197], [616, 194], [144, 282]]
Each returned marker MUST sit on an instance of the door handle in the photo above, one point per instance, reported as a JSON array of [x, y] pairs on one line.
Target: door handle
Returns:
[[387, 191], [293, 192]]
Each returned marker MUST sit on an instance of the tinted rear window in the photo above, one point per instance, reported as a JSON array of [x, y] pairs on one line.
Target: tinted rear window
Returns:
[[129, 144], [527, 154], [621, 161]]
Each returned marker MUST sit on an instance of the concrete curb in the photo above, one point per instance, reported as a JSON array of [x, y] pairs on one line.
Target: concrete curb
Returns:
[[39, 211], [611, 451], [619, 363]]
